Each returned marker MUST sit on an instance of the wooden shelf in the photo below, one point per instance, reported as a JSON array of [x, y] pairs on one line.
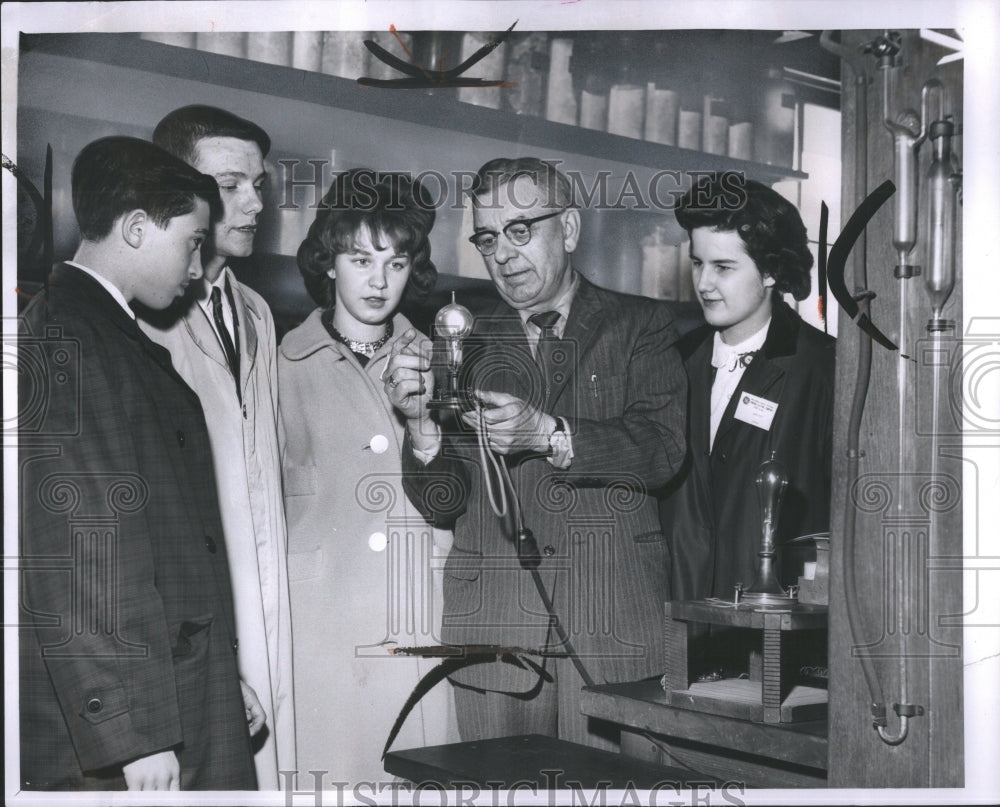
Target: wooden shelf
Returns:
[[642, 705], [414, 106]]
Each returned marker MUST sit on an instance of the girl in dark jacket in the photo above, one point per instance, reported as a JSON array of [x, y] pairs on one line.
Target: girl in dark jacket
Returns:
[[761, 380]]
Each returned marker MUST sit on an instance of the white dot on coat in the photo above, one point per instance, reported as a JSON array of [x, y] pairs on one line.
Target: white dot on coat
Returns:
[[377, 541], [379, 444]]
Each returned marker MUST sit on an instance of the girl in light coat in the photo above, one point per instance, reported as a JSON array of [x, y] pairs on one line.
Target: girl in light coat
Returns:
[[361, 559]]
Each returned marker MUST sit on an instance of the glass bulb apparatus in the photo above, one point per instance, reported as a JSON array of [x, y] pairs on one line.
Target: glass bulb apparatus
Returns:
[[772, 480], [452, 324], [943, 183]]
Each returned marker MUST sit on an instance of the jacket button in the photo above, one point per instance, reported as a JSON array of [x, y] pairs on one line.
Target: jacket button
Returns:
[[377, 541], [210, 544], [236, 646], [379, 444], [549, 550], [94, 705], [180, 438]]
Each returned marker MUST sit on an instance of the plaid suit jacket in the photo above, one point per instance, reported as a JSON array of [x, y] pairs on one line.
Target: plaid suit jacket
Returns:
[[605, 562], [126, 637]]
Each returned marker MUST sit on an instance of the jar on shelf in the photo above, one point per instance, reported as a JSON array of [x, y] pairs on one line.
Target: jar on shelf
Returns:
[[689, 121], [490, 67], [774, 142], [273, 47], [436, 51], [560, 101], [527, 69], [345, 54], [627, 96], [662, 100], [307, 50], [591, 80]]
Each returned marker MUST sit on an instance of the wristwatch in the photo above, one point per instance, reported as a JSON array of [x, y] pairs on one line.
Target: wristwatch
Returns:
[[560, 447]]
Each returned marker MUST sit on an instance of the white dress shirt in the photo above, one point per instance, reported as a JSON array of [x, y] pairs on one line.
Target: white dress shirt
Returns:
[[730, 361]]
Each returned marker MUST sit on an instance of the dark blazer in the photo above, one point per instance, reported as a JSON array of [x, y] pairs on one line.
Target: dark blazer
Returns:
[[127, 637], [712, 513], [605, 562]]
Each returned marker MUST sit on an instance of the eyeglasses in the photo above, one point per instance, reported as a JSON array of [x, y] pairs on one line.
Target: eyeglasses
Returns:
[[517, 232]]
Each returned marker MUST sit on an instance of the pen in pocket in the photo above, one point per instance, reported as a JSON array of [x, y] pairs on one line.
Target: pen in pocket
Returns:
[[593, 383]]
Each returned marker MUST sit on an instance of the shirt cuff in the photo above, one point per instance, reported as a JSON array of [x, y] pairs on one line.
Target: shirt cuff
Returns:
[[561, 443], [432, 445]]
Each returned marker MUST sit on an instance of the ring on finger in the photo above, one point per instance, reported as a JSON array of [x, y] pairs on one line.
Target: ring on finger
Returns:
[[393, 382]]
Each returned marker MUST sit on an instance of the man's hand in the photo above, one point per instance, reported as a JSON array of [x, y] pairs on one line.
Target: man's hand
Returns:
[[511, 424], [160, 771], [255, 712]]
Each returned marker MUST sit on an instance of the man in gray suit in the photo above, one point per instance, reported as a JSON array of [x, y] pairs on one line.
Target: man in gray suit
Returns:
[[582, 393]]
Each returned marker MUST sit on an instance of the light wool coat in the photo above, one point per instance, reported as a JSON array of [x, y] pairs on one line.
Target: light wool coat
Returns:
[[248, 470], [361, 562]]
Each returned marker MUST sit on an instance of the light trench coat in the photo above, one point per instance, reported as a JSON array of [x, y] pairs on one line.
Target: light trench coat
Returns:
[[364, 566], [248, 473]]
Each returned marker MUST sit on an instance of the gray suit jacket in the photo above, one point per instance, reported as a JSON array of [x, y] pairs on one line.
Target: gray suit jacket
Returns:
[[605, 562], [127, 639]]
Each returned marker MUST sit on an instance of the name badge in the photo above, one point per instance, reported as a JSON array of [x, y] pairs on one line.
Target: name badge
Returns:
[[756, 411]]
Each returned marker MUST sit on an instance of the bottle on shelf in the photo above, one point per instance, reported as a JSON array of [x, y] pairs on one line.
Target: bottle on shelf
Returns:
[[527, 68], [715, 124], [740, 140], [345, 54], [774, 141], [307, 50], [591, 81], [436, 51], [560, 101], [627, 96], [689, 126], [490, 67], [662, 100], [273, 47]]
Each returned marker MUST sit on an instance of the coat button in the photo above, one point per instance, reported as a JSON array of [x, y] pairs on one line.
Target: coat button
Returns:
[[180, 438], [236, 646], [549, 550], [379, 444], [94, 705], [210, 544], [377, 541]]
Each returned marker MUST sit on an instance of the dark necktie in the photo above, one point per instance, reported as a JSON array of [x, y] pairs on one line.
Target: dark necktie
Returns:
[[225, 337], [548, 355]]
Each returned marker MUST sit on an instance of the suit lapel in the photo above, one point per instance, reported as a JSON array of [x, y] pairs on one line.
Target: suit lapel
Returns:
[[699, 368], [78, 285], [203, 334], [246, 316]]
